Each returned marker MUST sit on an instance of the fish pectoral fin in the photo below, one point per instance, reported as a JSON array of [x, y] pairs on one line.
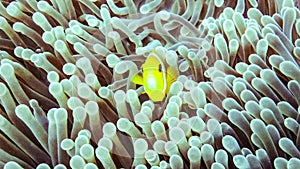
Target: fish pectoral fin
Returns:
[[156, 95], [137, 79]]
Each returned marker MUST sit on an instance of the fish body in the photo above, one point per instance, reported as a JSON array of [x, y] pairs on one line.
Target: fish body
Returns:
[[156, 77]]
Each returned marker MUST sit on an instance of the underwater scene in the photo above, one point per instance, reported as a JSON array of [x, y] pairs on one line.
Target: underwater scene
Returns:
[[160, 84]]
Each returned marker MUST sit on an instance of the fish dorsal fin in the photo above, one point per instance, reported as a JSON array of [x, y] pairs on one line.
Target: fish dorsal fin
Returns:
[[172, 75]]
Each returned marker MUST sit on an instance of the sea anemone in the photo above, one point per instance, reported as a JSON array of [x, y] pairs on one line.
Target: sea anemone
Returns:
[[68, 100]]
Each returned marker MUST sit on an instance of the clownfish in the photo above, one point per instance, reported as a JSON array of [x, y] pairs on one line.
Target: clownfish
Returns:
[[156, 77]]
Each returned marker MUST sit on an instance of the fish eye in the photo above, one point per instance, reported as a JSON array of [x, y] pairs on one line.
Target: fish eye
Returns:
[[140, 72], [159, 68]]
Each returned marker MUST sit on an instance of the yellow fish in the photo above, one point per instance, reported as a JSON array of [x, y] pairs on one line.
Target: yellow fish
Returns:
[[156, 77]]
